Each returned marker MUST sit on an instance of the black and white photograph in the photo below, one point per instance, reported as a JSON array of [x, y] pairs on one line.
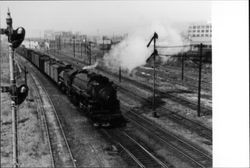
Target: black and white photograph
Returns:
[[124, 84]]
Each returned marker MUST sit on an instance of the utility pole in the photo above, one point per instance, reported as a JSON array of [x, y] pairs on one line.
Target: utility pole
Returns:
[[102, 45], [90, 52], [59, 43], [182, 66], [54, 46], [120, 74], [81, 49], [15, 38], [74, 45], [199, 84], [155, 52]]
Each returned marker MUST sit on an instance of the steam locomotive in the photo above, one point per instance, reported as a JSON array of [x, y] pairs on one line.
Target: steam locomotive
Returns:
[[93, 93]]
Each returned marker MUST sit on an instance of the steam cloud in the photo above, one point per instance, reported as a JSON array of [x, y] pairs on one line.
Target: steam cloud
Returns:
[[90, 66], [132, 51]]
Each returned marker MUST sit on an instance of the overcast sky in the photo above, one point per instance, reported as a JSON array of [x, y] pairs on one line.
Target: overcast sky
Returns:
[[102, 17]]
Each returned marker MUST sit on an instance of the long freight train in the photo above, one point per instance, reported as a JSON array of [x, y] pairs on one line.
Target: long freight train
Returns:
[[94, 94]]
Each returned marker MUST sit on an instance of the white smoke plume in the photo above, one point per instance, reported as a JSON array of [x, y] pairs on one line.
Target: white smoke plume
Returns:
[[90, 66], [132, 51]]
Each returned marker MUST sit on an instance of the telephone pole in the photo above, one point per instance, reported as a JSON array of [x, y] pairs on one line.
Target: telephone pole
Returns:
[[74, 45], [199, 83]]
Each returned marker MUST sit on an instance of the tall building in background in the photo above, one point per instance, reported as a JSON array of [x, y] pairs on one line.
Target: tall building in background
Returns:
[[200, 33]]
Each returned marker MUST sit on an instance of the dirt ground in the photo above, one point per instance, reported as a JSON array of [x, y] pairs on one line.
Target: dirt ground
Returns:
[[32, 150]]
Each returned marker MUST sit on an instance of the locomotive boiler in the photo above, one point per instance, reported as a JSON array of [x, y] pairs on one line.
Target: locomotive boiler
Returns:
[[94, 94]]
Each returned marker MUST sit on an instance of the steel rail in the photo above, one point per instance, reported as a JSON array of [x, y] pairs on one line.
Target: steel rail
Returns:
[[150, 154], [138, 159], [133, 157], [60, 126], [197, 127], [39, 102], [151, 130], [58, 121]]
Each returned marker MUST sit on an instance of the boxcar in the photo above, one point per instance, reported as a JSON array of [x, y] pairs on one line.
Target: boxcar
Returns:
[[35, 58], [42, 61], [54, 72], [46, 67], [29, 53], [37, 55], [32, 56], [51, 69]]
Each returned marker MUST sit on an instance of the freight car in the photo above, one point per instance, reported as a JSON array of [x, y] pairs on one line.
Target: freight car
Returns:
[[94, 94]]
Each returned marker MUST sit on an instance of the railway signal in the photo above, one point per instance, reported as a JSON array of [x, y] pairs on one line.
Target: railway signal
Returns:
[[155, 53], [18, 94]]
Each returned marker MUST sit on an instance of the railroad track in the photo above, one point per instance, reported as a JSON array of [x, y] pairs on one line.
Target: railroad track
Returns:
[[138, 156], [60, 152], [173, 77], [43, 119], [143, 161], [177, 118], [182, 101], [192, 71], [192, 153]]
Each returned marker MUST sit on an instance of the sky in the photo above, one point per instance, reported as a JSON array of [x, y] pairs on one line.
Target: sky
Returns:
[[102, 17]]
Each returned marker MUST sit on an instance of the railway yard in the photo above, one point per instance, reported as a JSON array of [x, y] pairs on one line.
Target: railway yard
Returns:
[[177, 137], [124, 84], [140, 97]]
